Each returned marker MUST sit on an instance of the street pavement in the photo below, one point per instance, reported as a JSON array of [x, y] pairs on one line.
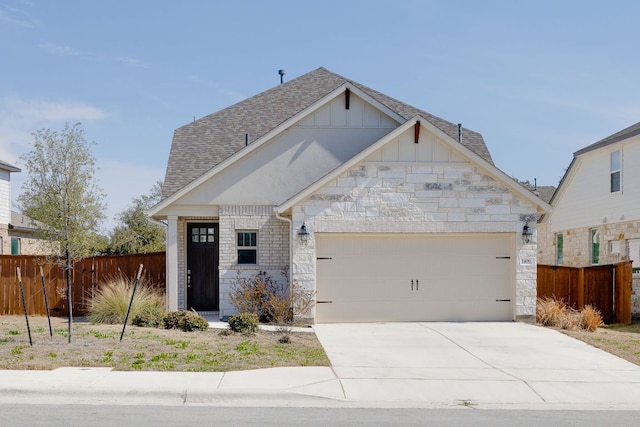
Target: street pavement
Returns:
[[394, 365]]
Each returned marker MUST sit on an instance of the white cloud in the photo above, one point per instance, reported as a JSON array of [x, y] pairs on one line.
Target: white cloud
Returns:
[[18, 16], [59, 49], [39, 110]]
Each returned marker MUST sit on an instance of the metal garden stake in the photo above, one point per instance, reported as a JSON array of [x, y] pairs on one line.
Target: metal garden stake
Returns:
[[46, 300], [24, 305], [133, 294]]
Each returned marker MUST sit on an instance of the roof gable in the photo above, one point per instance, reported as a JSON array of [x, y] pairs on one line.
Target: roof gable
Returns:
[[199, 146], [446, 139], [294, 154]]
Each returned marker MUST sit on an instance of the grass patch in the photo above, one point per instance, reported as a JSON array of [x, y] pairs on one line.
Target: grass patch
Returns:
[[144, 349], [621, 340]]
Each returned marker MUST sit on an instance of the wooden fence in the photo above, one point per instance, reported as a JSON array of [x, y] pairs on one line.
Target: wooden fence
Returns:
[[606, 287], [86, 277]]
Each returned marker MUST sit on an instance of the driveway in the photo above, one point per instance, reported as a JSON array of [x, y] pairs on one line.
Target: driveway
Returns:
[[488, 364]]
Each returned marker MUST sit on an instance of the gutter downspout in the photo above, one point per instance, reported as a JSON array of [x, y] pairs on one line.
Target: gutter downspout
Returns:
[[290, 221]]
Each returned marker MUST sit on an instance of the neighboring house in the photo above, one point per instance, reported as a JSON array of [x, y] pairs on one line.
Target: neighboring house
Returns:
[[596, 208], [17, 235], [387, 212]]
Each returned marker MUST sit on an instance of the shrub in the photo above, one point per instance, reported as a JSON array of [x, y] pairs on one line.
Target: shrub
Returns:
[[251, 295], [246, 323], [271, 302], [590, 318], [111, 301], [185, 320], [552, 312], [153, 318]]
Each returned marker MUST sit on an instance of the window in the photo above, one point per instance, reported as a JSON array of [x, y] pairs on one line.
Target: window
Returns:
[[247, 247], [595, 246], [203, 235], [15, 246], [559, 248], [616, 169], [633, 253]]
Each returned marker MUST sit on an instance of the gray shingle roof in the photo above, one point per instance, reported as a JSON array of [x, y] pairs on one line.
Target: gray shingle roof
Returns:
[[632, 130], [199, 146], [9, 167]]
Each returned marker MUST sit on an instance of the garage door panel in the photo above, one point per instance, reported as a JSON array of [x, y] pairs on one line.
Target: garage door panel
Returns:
[[369, 277]]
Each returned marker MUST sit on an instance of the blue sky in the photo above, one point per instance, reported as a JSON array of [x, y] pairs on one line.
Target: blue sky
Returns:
[[539, 80]]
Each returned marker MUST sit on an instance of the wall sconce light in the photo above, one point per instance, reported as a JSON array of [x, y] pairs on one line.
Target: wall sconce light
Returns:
[[303, 234], [527, 234]]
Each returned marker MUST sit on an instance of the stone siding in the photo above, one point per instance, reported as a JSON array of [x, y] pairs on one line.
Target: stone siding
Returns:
[[392, 198], [577, 244]]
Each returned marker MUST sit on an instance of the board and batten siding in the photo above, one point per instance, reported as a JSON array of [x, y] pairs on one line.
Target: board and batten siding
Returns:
[[5, 197], [586, 200], [296, 158]]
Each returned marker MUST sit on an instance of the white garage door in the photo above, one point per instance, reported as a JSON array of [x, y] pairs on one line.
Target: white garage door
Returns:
[[365, 278]]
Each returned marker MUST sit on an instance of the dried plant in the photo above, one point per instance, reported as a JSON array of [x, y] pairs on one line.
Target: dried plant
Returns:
[[111, 300], [590, 318]]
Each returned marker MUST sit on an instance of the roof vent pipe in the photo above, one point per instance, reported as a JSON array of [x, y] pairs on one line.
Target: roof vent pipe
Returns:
[[459, 132], [281, 72], [246, 139]]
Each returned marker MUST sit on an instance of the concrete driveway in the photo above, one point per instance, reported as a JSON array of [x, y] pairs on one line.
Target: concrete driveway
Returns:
[[487, 364]]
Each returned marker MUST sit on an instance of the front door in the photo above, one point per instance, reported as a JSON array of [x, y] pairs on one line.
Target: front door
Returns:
[[202, 267]]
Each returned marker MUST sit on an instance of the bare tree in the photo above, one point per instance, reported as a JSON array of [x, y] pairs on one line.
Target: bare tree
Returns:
[[62, 195]]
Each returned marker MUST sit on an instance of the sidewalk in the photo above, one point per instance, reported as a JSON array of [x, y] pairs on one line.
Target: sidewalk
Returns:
[[482, 366]]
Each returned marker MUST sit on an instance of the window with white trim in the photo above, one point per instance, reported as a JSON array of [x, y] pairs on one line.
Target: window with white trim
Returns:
[[615, 170], [16, 248], [559, 248], [247, 244], [595, 246]]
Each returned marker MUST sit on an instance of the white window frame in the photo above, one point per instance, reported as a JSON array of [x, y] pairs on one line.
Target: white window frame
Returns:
[[243, 246], [615, 169]]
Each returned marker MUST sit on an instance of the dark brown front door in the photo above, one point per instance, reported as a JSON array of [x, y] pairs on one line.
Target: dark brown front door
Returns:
[[202, 267]]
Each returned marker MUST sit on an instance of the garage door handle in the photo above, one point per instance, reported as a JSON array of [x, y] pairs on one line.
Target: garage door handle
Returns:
[[503, 300], [411, 284], [417, 283], [324, 302], [321, 257]]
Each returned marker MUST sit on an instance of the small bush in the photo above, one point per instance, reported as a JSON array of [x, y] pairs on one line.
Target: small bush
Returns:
[[549, 311], [245, 323], [111, 301], [185, 320], [590, 318], [153, 318], [555, 313]]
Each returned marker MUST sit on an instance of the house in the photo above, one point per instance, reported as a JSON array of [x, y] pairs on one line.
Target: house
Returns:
[[596, 208], [386, 212], [17, 235]]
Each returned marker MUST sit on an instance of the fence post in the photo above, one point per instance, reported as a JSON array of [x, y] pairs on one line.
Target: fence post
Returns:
[[622, 292], [580, 289]]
